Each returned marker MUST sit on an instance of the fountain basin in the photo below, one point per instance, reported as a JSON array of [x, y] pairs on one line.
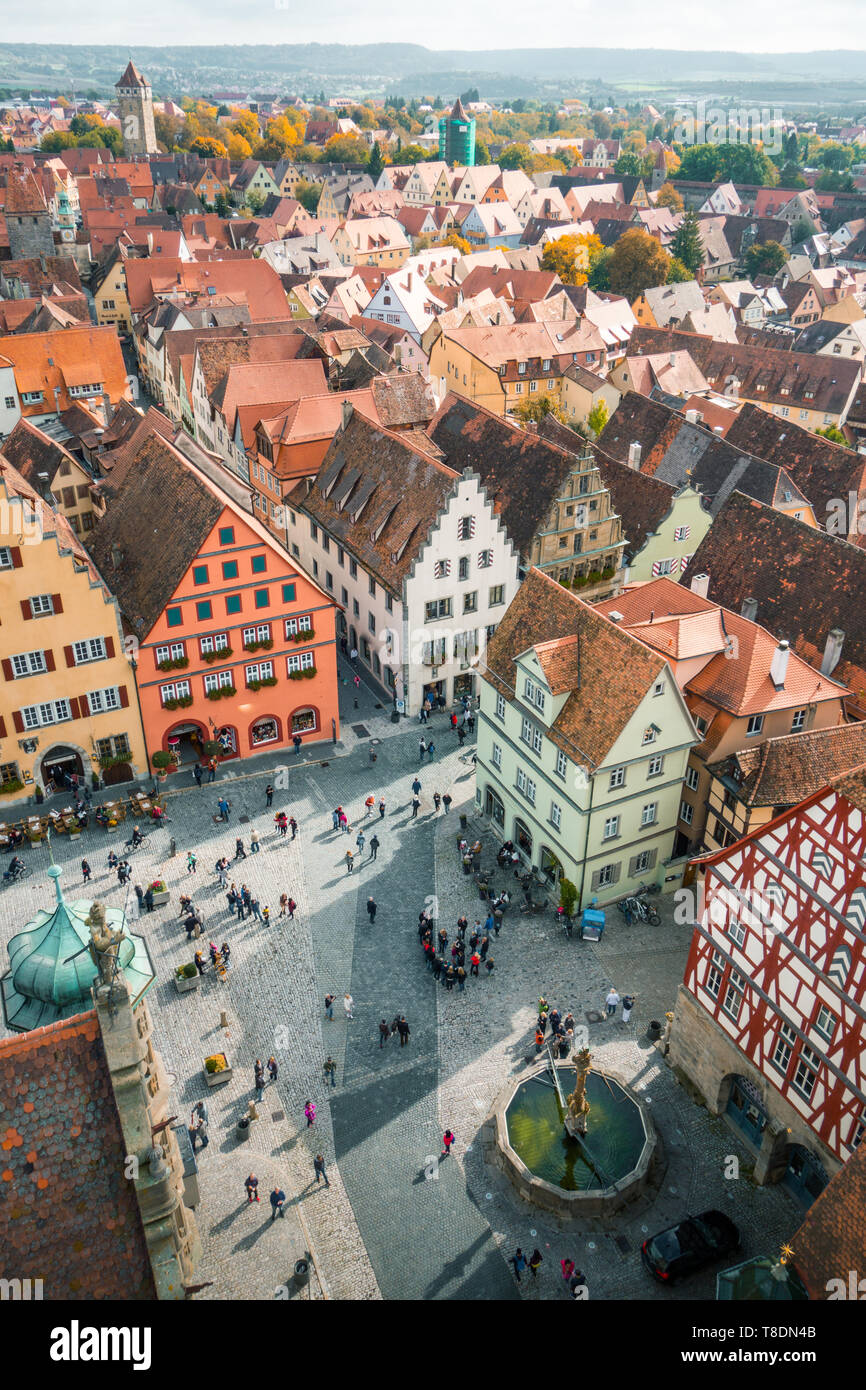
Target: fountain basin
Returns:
[[592, 1176]]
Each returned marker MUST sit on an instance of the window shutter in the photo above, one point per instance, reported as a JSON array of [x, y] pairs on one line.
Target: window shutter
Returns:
[[109, 646], [49, 661], [596, 880], [15, 552], [26, 610], [617, 869], [2, 727], [70, 656], [18, 721], [124, 697], [57, 603], [7, 669], [74, 707]]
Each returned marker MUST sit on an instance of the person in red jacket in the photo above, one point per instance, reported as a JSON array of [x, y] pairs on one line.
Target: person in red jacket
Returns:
[[447, 1141]]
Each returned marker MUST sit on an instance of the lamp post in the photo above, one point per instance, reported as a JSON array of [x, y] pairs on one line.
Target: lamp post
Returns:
[[134, 665]]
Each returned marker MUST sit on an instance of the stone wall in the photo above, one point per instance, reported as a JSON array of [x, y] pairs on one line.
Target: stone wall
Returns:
[[30, 235]]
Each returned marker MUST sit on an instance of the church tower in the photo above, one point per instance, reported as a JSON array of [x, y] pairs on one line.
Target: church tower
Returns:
[[135, 107]]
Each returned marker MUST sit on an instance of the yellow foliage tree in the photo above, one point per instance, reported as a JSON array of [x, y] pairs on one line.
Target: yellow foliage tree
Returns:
[[637, 263], [246, 123], [568, 257], [238, 147], [668, 197]]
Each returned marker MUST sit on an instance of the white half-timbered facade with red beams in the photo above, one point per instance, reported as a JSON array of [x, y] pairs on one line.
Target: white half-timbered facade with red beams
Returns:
[[770, 1022]]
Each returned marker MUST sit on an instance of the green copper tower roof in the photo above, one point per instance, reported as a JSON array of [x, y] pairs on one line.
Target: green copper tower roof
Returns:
[[52, 970]]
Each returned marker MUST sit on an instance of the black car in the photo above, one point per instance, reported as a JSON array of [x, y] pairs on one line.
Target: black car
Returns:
[[689, 1246]]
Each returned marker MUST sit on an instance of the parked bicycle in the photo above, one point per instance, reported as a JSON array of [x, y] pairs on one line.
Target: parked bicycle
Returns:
[[635, 909]]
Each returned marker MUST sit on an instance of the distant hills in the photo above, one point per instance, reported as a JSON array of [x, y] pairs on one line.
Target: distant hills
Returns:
[[828, 76]]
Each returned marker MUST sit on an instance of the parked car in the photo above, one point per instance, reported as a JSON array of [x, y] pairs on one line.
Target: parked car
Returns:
[[689, 1246]]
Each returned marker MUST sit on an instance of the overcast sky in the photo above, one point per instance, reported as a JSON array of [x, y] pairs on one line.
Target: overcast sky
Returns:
[[745, 25]]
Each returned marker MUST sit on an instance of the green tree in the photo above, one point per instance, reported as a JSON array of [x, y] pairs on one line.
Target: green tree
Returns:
[[791, 176], [601, 125], [308, 194], [765, 258], [677, 272], [637, 263], [687, 246], [598, 277], [629, 165], [482, 152], [516, 157], [221, 207], [598, 417], [833, 181], [471, 94], [739, 163], [376, 163], [837, 157], [537, 407], [414, 154], [57, 140], [255, 201], [835, 435], [791, 147]]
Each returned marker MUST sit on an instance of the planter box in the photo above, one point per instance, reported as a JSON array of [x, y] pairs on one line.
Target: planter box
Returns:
[[184, 985], [160, 899], [218, 1077]]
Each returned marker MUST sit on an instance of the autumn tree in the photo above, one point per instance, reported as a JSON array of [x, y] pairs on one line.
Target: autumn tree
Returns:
[[765, 258], [569, 257], [687, 245], [516, 157], [308, 194], [208, 148], [598, 417], [677, 272], [537, 407], [601, 125], [668, 197], [346, 149], [238, 147], [246, 123], [454, 239], [636, 264]]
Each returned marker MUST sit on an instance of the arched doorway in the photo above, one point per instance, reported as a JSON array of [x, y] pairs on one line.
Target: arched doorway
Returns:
[[494, 807], [187, 741], [805, 1176], [551, 868], [523, 838], [745, 1109], [60, 764]]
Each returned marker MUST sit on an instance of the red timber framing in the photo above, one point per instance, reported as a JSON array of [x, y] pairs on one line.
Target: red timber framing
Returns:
[[778, 960]]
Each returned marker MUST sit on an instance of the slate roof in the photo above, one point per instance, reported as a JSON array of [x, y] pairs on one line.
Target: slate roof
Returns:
[[406, 492], [783, 771], [403, 398], [594, 653], [642, 501], [805, 582], [520, 472], [68, 1216], [158, 513]]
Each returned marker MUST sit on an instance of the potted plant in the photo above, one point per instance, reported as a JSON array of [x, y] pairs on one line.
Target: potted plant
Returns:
[[216, 1069], [186, 977], [212, 749], [308, 673], [162, 761], [161, 894]]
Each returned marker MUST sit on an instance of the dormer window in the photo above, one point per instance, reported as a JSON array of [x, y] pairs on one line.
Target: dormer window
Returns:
[[534, 694]]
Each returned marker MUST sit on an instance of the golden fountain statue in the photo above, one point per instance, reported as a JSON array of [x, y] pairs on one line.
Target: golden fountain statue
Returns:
[[578, 1105]]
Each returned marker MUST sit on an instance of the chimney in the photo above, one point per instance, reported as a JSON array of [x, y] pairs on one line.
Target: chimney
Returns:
[[700, 585], [673, 359], [348, 411], [832, 651], [749, 608], [779, 664], [693, 416], [634, 452]]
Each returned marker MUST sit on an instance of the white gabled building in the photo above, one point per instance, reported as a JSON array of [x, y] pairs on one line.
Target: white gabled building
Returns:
[[414, 554], [403, 300]]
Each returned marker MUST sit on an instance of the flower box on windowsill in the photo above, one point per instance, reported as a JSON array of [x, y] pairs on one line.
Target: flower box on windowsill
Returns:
[[222, 655], [224, 692], [265, 645], [306, 634], [307, 674]]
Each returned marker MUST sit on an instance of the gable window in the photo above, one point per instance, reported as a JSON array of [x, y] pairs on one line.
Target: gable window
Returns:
[[466, 528], [288, 593], [463, 567], [262, 598], [227, 535], [230, 569], [199, 574], [755, 725], [174, 617], [441, 569], [259, 564], [659, 687], [534, 694], [485, 559], [649, 735], [701, 724], [233, 603]]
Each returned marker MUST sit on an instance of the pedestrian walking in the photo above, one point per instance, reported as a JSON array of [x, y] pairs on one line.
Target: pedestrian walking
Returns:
[[474, 962], [627, 1006], [240, 852], [611, 1001], [462, 924], [319, 1169], [416, 787], [453, 721], [198, 1130], [535, 1260], [252, 1188], [292, 907], [196, 772], [85, 871], [329, 1007], [344, 822], [269, 795], [254, 842], [348, 1005], [278, 1197], [447, 1141], [437, 966], [259, 1079], [350, 861], [403, 1030], [190, 862], [310, 1113], [381, 808], [369, 805], [211, 772], [461, 735], [360, 841], [284, 903], [384, 1033], [446, 802], [437, 801], [148, 898], [294, 824], [199, 962], [484, 947], [372, 909], [416, 803], [422, 748], [329, 1067], [254, 909], [518, 1259], [431, 749], [336, 818], [374, 846], [489, 964], [272, 1069], [224, 807], [539, 1040]]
